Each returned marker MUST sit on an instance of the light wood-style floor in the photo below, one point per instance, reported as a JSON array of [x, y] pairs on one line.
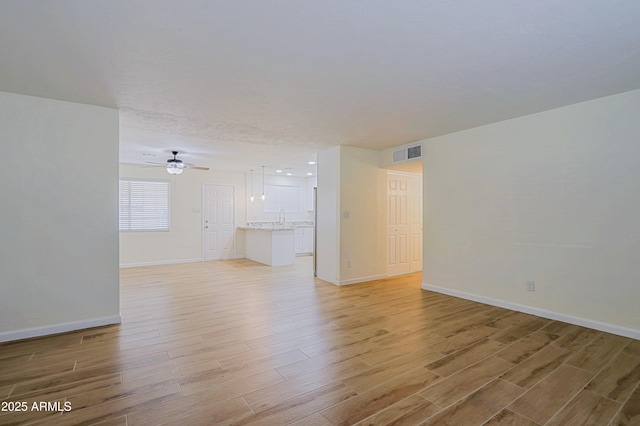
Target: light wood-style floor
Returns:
[[236, 342]]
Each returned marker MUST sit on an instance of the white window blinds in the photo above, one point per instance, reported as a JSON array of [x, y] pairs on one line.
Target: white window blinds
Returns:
[[144, 205]]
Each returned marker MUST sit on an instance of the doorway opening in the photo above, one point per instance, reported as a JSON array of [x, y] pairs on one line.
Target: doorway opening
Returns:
[[404, 221]]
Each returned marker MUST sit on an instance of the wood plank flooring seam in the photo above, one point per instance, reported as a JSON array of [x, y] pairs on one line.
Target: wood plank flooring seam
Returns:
[[374, 415], [604, 367], [557, 413], [501, 410], [506, 405], [584, 346], [247, 404], [622, 406], [439, 406], [541, 378], [462, 398], [424, 421]]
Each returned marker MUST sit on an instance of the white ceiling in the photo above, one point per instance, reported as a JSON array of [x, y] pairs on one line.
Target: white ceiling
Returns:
[[240, 84]]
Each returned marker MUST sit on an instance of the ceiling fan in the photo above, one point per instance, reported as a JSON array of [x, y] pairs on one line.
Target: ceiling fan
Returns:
[[175, 166]]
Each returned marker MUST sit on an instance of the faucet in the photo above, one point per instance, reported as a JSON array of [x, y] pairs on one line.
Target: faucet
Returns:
[[281, 218]]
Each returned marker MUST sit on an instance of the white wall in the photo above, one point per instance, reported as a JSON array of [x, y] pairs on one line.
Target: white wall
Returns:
[[328, 224], [59, 216], [363, 209], [351, 216], [183, 243], [551, 197]]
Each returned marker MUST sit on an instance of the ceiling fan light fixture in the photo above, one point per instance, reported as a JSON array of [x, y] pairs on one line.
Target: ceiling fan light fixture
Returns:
[[174, 170], [174, 166]]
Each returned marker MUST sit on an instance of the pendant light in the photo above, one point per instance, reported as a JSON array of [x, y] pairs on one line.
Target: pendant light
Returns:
[[251, 197], [263, 196]]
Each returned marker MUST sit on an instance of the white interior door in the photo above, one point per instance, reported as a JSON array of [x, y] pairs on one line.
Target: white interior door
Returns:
[[404, 226], [398, 228], [218, 222]]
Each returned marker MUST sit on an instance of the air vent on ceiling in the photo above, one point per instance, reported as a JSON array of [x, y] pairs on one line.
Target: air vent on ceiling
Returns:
[[414, 152], [404, 154], [399, 155]]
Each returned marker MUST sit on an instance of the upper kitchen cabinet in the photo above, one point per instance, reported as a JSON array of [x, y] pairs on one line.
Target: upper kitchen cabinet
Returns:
[[288, 196]]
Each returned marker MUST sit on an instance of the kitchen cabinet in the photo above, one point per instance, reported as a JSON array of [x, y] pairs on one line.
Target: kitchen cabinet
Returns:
[[307, 240], [298, 238], [303, 240], [271, 247]]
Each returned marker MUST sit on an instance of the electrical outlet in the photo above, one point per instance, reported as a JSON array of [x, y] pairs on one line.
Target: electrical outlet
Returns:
[[531, 286]]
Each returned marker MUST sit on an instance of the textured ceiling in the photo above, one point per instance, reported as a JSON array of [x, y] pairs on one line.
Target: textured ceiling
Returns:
[[239, 84]]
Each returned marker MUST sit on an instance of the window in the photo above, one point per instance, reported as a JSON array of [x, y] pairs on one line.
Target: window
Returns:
[[144, 205]]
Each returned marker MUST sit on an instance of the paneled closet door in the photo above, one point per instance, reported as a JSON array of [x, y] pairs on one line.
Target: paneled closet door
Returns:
[[404, 224]]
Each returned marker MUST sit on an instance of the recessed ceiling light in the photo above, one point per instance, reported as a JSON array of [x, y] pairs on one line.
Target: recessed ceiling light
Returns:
[[279, 171], [311, 162], [309, 174], [289, 174]]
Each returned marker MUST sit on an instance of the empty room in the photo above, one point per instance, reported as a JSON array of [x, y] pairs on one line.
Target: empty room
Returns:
[[319, 213]]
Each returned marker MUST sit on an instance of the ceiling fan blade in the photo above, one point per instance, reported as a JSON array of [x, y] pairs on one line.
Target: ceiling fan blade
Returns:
[[193, 166], [174, 163]]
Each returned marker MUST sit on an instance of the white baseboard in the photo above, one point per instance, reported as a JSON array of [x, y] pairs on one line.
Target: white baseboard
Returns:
[[558, 316], [160, 262], [58, 328], [361, 280]]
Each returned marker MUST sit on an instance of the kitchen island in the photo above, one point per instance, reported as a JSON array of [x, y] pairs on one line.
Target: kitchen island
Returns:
[[273, 247]]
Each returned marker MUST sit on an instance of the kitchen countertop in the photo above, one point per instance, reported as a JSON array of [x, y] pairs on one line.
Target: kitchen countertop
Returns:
[[276, 226], [267, 228]]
